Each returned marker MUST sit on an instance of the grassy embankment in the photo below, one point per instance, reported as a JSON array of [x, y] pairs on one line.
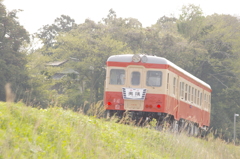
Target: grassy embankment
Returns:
[[27, 132]]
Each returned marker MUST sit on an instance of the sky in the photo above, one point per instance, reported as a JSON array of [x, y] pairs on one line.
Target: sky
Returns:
[[37, 13]]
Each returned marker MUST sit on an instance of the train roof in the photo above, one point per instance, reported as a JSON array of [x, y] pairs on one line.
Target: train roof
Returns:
[[155, 60]]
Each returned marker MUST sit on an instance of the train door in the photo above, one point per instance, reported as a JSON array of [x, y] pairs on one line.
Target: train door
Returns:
[[134, 93], [178, 86], [169, 100], [203, 108], [135, 77], [168, 86]]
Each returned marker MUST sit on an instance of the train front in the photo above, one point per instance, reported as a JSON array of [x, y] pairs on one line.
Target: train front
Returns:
[[134, 84]]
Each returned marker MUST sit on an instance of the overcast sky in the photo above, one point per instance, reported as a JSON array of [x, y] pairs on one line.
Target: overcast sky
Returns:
[[37, 13]]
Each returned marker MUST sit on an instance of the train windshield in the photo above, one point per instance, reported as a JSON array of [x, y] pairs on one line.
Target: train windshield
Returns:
[[135, 79], [117, 76], [154, 78]]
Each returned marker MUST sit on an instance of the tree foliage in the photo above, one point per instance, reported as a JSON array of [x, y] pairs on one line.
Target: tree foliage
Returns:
[[12, 61], [49, 32]]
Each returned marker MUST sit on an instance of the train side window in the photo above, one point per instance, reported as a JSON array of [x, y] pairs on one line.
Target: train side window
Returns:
[[195, 96], [186, 91], [154, 78], [174, 85], [198, 95], [135, 78], [201, 99], [205, 101], [192, 94], [117, 76], [167, 80], [189, 92], [182, 90]]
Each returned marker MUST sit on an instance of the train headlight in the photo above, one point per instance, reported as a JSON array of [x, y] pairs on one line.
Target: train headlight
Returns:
[[109, 103], [159, 106], [136, 58], [144, 59]]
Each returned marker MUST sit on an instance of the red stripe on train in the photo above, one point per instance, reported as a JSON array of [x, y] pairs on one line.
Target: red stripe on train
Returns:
[[164, 104]]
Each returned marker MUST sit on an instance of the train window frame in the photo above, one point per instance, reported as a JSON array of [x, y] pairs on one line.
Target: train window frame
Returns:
[[118, 78], [149, 75]]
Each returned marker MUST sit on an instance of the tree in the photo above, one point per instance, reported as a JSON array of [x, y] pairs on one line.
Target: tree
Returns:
[[12, 61], [91, 45], [190, 21], [49, 32], [128, 30], [222, 43]]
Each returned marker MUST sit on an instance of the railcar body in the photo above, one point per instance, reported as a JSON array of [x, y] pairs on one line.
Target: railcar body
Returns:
[[151, 86]]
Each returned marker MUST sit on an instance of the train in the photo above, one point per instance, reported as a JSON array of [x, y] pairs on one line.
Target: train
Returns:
[[151, 87]]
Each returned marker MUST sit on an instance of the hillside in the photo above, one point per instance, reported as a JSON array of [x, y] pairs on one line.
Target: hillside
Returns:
[[27, 132]]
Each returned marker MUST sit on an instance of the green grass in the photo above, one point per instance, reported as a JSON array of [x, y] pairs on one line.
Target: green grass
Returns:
[[27, 132]]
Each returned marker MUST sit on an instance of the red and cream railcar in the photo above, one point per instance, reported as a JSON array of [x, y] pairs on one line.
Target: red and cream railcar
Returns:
[[151, 86]]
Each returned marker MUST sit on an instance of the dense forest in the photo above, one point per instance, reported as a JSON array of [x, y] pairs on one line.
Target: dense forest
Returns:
[[68, 69]]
